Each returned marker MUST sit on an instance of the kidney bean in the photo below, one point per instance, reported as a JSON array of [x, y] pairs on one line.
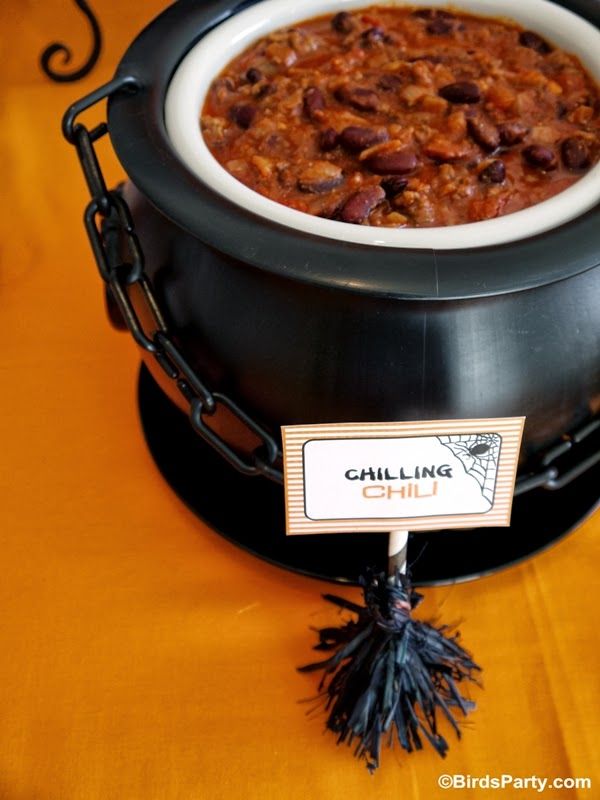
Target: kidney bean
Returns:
[[362, 99], [360, 204], [539, 156], [575, 153], [461, 92], [534, 42], [483, 132], [314, 103], [266, 90], [393, 185], [243, 115], [328, 139], [512, 133], [274, 140], [398, 162], [254, 75], [432, 13], [389, 82], [439, 26], [354, 138], [342, 22], [493, 173], [372, 36], [320, 176]]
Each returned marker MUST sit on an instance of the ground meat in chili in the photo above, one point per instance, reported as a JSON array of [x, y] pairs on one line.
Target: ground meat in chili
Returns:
[[404, 117]]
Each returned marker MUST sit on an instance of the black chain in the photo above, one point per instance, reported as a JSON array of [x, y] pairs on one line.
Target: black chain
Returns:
[[108, 211], [557, 467]]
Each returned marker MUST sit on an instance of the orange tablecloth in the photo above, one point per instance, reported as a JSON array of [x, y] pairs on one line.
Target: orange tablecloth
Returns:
[[141, 656]]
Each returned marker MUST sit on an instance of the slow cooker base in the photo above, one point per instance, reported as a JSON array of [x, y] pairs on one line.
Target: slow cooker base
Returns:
[[250, 513]]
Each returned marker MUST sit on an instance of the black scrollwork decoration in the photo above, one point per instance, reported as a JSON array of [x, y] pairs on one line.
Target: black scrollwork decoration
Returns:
[[55, 48]]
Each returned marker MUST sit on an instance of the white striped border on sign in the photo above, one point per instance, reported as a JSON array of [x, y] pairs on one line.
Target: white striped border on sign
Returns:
[[295, 436]]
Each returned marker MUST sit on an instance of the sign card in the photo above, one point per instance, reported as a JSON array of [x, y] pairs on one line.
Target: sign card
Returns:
[[385, 476]]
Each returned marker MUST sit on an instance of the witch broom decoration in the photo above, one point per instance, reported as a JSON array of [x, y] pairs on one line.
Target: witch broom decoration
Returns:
[[386, 675], [389, 672]]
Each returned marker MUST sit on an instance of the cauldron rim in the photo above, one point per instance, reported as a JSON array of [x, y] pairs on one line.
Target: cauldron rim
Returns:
[[189, 86], [139, 136]]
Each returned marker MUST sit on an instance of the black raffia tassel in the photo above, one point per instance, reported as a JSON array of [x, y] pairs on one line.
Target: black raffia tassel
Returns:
[[389, 672]]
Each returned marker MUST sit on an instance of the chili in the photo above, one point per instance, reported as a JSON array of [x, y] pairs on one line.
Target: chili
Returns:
[[404, 117]]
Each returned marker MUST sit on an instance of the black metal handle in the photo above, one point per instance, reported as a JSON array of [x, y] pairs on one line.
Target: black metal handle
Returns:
[[108, 213]]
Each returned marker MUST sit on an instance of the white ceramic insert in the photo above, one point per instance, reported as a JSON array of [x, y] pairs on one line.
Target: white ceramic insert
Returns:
[[211, 54]]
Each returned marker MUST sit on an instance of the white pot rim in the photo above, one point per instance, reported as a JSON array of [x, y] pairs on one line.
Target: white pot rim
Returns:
[[191, 81]]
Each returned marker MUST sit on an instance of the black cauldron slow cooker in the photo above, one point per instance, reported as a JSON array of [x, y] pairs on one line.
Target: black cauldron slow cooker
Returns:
[[267, 325]]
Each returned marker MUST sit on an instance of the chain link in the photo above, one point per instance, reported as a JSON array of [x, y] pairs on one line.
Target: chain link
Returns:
[[557, 469], [123, 275], [107, 215]]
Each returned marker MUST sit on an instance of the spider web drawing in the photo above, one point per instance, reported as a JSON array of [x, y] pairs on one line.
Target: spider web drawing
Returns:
[[478, 453]]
